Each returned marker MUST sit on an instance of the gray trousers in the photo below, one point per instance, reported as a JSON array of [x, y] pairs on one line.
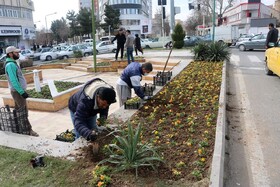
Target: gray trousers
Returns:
[[124, 93]]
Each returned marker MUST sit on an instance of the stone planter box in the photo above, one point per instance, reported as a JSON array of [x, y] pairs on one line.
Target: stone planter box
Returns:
[[59, 102], [28, 78], [49, 66], [106, 69]]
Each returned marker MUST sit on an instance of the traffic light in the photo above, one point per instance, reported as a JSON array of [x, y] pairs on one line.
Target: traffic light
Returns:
[[191, 6], [163, 13], [163, 2]]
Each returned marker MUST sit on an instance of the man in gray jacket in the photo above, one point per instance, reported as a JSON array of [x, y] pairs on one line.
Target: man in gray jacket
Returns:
[[129, 46]]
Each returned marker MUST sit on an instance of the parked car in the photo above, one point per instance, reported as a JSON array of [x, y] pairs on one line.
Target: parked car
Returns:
[[40, 51], [256, 42], [106, 47], [272, 62], [69, 51], [158, 42], [243, 37], [191, 40], [21, 57], [50, 55], [27, 52]]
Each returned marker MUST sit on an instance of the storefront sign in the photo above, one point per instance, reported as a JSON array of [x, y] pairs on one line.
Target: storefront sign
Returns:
[[10, 31], [28, 33]]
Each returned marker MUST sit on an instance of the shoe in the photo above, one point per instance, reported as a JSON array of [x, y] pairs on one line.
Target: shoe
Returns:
[[33, 133]]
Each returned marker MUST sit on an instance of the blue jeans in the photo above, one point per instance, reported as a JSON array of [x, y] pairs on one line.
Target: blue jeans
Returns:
[[129, 51], [91, 124]]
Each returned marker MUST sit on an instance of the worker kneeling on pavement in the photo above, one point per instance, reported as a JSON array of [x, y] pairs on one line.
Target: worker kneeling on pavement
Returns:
[[94, 98], [130, 78]]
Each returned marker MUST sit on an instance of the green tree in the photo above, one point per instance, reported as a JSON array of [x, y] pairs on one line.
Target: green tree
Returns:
[[73, 22], [178, 36], [60, 30], [112, 17], [85, 21]]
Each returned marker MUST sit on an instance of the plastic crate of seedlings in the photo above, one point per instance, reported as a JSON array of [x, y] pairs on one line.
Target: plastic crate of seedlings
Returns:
[[14, 120], [148, 89], [133, 103], [162, 78], [67, 136]]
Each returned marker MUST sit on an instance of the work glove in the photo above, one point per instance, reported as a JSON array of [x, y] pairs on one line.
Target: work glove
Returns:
[[147, 98], [93, 136], [25, 95]]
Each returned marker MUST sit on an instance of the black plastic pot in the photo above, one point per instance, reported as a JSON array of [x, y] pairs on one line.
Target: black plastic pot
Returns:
[[162, 78]]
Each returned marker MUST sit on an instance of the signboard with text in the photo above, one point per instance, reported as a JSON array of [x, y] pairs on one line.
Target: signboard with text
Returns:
[[28, 33], [146, 26], [10, 31]]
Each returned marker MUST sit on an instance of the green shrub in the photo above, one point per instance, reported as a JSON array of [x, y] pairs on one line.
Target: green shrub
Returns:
[[129, 153], [78, 54], [218, 51], [212, 52], [200, 51], [178, 36], [26, 63]]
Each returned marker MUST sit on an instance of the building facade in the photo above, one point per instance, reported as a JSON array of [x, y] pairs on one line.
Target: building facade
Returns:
[[243, 12], [135, 15], [16, 23]]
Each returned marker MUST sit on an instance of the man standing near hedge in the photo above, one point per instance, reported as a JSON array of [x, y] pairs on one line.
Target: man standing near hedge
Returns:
[[17, 82]]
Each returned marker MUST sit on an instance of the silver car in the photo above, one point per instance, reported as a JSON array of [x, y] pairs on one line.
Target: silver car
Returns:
[[256, 42]]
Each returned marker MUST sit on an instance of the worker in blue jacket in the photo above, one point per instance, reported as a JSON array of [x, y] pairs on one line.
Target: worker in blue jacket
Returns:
[[94, 98], [130, 78]]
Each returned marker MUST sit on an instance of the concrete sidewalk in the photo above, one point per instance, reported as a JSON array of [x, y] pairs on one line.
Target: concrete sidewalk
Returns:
[[49, 124]]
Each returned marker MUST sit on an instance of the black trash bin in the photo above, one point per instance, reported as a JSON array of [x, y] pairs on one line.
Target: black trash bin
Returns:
[[15, 120]]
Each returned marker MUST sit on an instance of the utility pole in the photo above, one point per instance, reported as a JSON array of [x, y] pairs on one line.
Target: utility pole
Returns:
[[214, 18], [93, 36], [172, 16]]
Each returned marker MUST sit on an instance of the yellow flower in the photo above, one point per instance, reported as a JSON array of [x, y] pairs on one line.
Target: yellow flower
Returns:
[[102, 177], [199, 151], [99, 184], [156, 132], [202, 159]]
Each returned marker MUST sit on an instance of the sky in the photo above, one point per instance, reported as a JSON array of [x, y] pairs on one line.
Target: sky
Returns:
[[61, 7]]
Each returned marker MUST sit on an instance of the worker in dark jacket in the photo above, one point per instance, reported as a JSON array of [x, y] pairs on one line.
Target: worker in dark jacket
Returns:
[[95, 97], [130, 78], [272, 36], [121, 38]]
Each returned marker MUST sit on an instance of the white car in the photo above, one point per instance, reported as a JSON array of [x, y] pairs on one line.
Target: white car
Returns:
[[50, 55], [69, 51], [106, 47], [158, 42], [27, 52]]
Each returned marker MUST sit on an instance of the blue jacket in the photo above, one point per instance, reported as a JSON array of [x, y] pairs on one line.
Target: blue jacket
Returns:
[[82, 105], [132, 75]]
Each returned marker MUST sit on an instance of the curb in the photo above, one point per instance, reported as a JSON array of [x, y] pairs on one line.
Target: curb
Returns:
[[217, 170]]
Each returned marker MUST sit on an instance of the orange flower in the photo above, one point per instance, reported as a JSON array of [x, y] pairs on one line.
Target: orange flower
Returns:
[[99, 184]]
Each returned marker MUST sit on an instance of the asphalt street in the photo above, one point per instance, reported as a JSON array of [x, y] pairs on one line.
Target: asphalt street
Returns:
[[253, 122]]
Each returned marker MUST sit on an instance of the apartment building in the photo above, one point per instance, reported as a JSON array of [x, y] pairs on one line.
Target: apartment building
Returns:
[[16, 23]]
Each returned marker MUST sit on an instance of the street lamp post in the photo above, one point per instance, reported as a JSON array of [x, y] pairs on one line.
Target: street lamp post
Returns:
[[110, 33], [214, 18], [47, 25]]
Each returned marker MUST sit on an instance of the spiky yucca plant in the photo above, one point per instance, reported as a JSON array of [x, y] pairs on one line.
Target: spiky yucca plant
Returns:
[[218, 51], [129, 153], [200, 51]]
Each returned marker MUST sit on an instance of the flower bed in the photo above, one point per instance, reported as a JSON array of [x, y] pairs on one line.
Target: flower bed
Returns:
[[180, 121], [28, 77], [43, 101]]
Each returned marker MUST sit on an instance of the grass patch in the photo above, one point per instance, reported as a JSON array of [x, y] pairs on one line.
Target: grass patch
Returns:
[[16, 170], [45, 90]]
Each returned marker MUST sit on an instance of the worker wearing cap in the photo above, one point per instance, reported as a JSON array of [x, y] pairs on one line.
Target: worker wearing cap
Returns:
[[17, 82], [94, 98]]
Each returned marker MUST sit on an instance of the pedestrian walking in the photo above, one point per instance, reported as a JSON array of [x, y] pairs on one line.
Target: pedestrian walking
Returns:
[[137, 45], [120, 37], [93, 98], [130, 78], [129, 46], [17, 82], [272, 36]]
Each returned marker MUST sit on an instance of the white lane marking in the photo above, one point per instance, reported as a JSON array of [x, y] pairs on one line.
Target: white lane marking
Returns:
[[255, 59], [255, 153], [234, 59]]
